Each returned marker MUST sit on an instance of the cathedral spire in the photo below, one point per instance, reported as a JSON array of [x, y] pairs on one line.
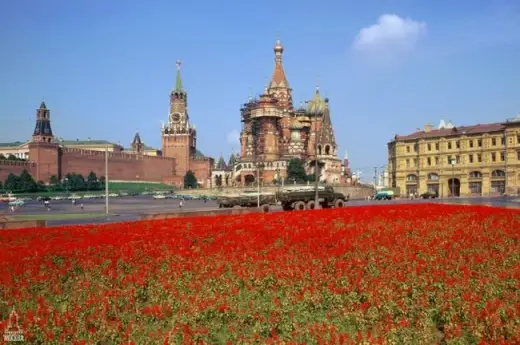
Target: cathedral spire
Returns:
[[279, 79], [178, 79]]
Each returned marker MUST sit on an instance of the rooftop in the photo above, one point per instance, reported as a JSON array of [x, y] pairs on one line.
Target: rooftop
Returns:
[[455, 131]]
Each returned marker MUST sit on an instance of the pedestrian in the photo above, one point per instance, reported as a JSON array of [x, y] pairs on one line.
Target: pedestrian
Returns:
[[181, 203], [81, 205]]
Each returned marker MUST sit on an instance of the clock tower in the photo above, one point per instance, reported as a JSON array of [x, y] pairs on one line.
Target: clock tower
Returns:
[[179, 136]]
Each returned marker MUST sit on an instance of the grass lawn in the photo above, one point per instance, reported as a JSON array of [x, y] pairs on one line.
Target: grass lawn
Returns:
[[57, 216]]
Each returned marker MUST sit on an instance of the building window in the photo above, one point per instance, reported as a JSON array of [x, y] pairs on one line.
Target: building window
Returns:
[[479, 142], [457, 159], [429, 160], [475, 174], [415, 148], [437, 145], [503, 141], [471, 143], [498, 187], [449, 145], [407, 163], [433, 177], [437, 160], [457, 144], [498, 173], [502, 156], [407, 149], [415, 162], [493, 141], [475, 187], [429, 147], [493, 157], [411, 178], [470, 157]]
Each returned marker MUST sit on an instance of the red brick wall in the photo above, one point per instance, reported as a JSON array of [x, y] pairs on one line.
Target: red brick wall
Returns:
[[46, 155], [201, 167], [121, 166], [7, 167]]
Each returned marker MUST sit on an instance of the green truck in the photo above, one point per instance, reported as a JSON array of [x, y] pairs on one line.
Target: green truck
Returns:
[[248, 199], [304, 198]]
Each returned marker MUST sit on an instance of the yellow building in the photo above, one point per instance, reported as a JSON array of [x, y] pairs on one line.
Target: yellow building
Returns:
[[482, 159]]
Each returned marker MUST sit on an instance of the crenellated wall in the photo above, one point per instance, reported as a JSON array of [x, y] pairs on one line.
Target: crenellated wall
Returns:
[[121, 166], [15, 167]]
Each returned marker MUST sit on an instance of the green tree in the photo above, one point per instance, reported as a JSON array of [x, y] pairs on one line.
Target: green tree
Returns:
[[92, 181], [190, 181], [1, 185], [102, 181], [41, 186], [12, 157], [27, 183], [2, 156], [75, 182], [296, 171], [12, 182], [54, 183]]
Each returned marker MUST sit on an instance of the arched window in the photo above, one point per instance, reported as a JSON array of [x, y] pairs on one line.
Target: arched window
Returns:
[[433, 177], [475, 174], [327, 150], [498, 173], [319, 149], [411, 178]]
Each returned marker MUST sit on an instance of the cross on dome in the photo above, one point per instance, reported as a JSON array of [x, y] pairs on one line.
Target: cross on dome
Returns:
[[178, 63]]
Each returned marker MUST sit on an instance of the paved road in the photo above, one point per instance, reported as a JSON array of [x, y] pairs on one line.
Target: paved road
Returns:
[[129, 208]]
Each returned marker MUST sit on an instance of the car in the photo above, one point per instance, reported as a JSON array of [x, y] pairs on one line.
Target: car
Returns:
[[44, 198], [429, 195], [159, 197]]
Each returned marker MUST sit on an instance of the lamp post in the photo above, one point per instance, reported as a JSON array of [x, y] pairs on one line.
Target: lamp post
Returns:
[[106, 179], [452, 177], [505, 162], [66, 185]]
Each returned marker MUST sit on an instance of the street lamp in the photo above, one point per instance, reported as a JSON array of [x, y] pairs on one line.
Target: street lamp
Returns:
[[452, 177], [316, 108]]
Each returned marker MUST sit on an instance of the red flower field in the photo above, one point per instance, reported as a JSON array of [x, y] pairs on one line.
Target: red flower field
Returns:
[[414, 274]]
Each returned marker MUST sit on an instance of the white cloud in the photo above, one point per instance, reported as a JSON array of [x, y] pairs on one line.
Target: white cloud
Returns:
[[233, 138], [391, 35]]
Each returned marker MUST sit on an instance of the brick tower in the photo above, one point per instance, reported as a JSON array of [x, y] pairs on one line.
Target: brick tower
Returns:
[[43, 149], [179, 138]]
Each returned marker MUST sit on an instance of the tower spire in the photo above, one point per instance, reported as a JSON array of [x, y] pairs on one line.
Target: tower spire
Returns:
[[279, 79], [178, 79]]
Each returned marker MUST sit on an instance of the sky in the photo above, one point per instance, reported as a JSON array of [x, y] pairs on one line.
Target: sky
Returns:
[[106, 68]]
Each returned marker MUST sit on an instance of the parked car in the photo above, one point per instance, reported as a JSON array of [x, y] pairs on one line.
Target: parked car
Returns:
[[159, 196], [44, 198]]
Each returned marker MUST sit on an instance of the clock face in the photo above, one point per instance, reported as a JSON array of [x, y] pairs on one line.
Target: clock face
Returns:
[[176, 117]]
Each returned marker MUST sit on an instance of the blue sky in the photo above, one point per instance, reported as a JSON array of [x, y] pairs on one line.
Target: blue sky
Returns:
[[105, 68]]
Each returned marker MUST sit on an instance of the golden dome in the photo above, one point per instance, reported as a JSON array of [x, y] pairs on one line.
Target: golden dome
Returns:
[[278, 48]]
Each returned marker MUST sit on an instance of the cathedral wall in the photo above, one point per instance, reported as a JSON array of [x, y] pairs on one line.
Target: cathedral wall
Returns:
[[121, 166], [15, 167]]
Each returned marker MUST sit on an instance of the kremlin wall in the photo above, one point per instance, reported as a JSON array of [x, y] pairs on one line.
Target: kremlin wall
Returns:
[[46, 156]]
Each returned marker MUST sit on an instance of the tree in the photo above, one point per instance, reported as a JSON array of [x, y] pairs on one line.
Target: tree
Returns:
[[92, 181], [1, 185], [296, 171], [190, 181], [75, 182], [27, 183], [102, 181], [12, 182], [2, 156]]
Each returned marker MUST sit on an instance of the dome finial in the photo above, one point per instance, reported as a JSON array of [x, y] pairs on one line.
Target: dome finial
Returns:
[[278, 48]]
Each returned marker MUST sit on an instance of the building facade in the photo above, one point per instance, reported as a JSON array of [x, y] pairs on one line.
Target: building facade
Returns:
[[482, 159], [46, 155], [274, 131]]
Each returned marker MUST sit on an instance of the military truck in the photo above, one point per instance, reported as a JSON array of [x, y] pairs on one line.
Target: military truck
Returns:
[[247, 199], [303, 198]]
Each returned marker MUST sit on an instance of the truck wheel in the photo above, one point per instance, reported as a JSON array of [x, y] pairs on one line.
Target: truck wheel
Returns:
[[339, 203], [311, 205], [265, 208], [299, 205], [287, 207]]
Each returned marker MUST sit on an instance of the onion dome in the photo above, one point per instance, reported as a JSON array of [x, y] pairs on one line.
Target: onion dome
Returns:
[[317, 105]]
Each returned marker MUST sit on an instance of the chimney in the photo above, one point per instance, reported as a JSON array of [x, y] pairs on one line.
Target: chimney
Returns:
[[428, 128]]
